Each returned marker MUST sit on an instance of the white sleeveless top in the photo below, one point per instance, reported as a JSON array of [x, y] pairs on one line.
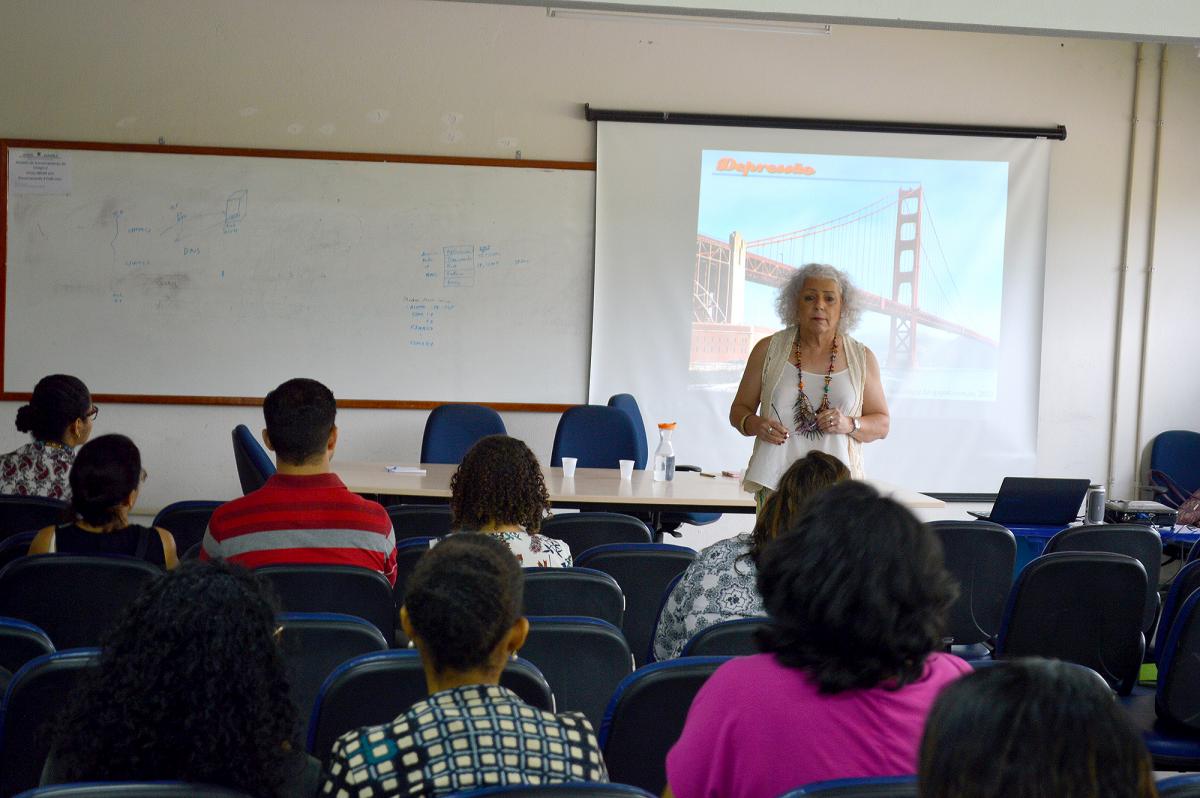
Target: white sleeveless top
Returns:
[[780, 387]]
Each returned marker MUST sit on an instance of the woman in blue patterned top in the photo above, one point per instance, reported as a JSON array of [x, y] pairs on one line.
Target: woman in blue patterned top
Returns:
[[719, 585], [462, 609]]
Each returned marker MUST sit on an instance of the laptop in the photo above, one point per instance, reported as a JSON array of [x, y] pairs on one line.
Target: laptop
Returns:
[[1037, 501]]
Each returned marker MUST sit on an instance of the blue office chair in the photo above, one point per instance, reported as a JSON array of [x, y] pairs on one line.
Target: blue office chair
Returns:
[[314, 644], [587, 529], [1175, 466], [254, 465], [451, 431], [408, 551], [419, 520], [1185, 583], [345, 589], [1179, 786], [567, 789], [574, 591], [645, 717], [20, 641], [873, 787], [559, 644], [667, 521], [16, 546], [187, 521], [25, 513], [375, 688], [597, 436], [37, 694], [134, 789], [735, 638]]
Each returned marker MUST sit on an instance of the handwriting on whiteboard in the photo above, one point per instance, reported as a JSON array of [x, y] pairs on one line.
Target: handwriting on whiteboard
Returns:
[[423, 315]]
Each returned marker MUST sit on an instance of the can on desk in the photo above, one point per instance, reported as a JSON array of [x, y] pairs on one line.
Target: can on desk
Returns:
[[1094, 505]]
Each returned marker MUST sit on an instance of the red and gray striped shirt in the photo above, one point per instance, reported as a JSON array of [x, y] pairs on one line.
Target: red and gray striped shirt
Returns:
[[302, 520]]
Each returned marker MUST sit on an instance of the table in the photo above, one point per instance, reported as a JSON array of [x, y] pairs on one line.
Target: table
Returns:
[[596, 489]]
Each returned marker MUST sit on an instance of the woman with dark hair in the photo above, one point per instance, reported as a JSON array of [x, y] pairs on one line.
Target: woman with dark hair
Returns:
[[462, 610], [190, 686], [59, 417], [105, 479], [719, 585], [1032, 729], [857, 596], [498, 489]]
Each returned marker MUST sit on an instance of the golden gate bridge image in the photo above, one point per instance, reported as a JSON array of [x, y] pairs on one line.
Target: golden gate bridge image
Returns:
[[889, 247]]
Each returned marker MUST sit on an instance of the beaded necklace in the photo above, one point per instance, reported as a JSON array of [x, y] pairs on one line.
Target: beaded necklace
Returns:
[[806, 417]]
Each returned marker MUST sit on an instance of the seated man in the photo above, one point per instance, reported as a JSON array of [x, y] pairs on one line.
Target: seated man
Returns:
[[304, 514]]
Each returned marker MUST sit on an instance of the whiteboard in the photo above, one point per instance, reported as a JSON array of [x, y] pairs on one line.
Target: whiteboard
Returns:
[[175, 274]]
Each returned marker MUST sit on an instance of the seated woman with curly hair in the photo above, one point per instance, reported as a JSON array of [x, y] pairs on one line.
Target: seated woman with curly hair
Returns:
[[462, 610], [719, 585], [190, 687], [498, 489], [857, 596]]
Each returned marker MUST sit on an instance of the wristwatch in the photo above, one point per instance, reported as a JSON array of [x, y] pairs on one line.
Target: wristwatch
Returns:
[[857, 424]]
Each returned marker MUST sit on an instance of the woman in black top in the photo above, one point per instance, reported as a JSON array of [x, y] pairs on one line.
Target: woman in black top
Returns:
[[105, 479]]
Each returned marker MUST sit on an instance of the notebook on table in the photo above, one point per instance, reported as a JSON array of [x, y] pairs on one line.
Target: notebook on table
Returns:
[[1037, 501]]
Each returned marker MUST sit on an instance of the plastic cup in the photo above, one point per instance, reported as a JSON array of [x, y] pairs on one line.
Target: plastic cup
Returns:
[[626, 469], [568, 467]]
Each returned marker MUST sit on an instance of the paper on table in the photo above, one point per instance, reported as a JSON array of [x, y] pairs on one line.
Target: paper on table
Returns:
[[402, 469]]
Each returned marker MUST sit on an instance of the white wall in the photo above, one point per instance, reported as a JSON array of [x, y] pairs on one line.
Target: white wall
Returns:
[[412, 76]]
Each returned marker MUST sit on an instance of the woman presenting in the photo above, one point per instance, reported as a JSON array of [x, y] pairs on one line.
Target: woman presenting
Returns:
[[810, 386]]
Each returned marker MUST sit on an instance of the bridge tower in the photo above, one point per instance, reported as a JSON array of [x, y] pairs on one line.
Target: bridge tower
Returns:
[[906, 279]]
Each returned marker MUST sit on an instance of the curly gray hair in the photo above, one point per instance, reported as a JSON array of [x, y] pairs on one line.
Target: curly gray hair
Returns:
[[788, 300]]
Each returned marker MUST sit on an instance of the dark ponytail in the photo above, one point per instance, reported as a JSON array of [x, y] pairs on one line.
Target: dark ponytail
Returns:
[[106, 470], [57, 401]]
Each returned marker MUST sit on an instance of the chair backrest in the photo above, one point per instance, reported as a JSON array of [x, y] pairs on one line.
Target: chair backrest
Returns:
[[23, 513], [314, 644], [583, 659], [186, 521], [344, 589], [1185, 583], [134, 789], [1133, 540], [629, 406], [1176, 454], [1185, 786], [584, 530], [645, 717], [1177, 698], [37, 694], [14, 547], [419, 520], [574, 591], [597, 436], [643, 570], [375, 688], [566, 789], [875, 787], [254, 465], [451, 431], [21, 641], [73, 598], [980, 555], [1083, 607], [726, 639]]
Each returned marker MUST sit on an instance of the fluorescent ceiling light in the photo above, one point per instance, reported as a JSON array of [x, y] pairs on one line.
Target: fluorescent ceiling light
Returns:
[[722, 23]]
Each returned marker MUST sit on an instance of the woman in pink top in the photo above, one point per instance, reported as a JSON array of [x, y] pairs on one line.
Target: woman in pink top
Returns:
[[857, 596]]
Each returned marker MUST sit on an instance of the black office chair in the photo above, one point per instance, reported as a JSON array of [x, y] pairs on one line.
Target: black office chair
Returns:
[[873, 787], [37, 694], [407, 554], [254, 465], [345, 589], [726, 639], [419, 520], [583, 659], [1082, 607], [25, 513], [73, 598], [451, 431], [20, 641], [980, 555], [643, 570], [134, 789], [375, 688], [187, 522], [645, 717], [314, 644], [567, 789], [574, 591], [585, 530], [1133, 540]]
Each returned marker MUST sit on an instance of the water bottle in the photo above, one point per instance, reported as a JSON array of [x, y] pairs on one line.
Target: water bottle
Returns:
[[664, 455]]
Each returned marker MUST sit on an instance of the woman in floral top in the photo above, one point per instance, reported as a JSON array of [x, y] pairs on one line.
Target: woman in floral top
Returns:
[[719, 585], [59, 416], [499, 490]]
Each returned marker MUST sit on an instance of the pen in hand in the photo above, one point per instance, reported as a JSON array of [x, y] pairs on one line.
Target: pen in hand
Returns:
[[779, 418]]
